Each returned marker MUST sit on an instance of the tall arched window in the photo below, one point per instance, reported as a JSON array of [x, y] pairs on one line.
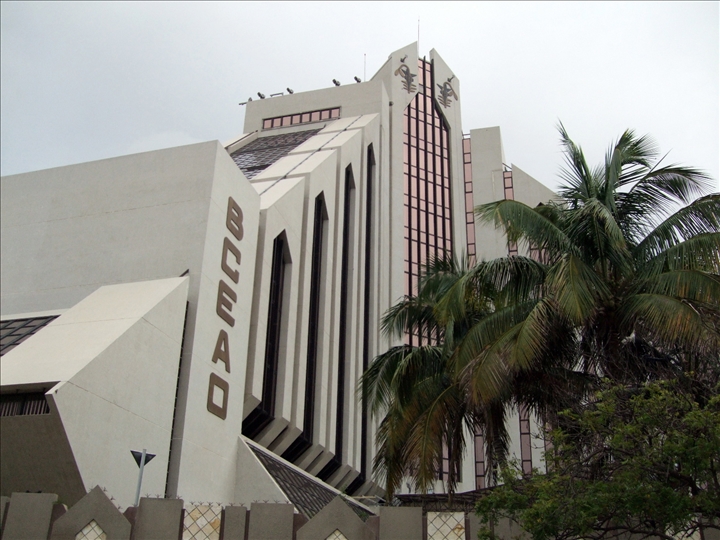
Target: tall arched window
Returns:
[[426, 167], [264, 413], [317, 273], [347, 248]]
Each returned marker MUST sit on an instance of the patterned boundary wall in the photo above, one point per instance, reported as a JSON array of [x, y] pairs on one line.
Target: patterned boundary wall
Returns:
[[39, 516]]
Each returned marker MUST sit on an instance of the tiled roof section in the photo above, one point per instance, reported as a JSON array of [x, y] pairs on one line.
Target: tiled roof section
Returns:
[[308, 495], [14, 332], [263, 152]]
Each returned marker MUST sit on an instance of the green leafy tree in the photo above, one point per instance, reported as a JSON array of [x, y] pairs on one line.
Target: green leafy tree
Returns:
[[642, 461], [415, 389], [626, 287], [632, 257]]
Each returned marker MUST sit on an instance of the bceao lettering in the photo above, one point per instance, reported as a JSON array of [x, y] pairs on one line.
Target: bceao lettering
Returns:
[[218, 388]]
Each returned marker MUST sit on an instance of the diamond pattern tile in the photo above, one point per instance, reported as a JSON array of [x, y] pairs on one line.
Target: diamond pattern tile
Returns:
[[202, 522], [263, 152], [91, 531], [14, 332], [336, 535], [309, 495], [446, 525]]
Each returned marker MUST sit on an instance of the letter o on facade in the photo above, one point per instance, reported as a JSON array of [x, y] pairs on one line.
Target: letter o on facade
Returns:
[[217, 383]]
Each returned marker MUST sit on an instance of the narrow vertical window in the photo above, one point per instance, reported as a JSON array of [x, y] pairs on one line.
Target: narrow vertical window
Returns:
[[272, 346], [525, 440], [304, 440], [348, 218], [479, 459], [264, 413], [469, 203], [367, 291], [317, 248]]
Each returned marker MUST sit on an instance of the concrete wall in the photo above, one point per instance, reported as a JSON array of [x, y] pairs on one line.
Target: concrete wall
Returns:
[[487, 170], [40, 516], [109, 366], [208, 416], [68, 231]]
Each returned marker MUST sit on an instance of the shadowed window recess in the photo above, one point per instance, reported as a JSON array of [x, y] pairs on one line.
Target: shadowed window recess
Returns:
[[264, 413]]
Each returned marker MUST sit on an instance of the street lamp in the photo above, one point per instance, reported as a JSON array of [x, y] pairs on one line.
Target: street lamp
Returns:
[[141, 458]]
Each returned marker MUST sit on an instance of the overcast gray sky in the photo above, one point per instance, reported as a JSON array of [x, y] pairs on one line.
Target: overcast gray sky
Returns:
[[84, 81]]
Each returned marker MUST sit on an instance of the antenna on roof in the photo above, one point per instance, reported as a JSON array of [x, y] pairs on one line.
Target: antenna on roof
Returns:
[[364, 67]]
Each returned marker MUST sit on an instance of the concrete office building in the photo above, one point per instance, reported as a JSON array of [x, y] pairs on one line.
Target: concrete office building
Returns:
[[217, 304]]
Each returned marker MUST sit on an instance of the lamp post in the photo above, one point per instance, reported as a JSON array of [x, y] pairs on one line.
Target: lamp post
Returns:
[[141, 458]]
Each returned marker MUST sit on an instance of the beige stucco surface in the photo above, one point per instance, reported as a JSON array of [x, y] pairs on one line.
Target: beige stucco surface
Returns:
[[111, 362]]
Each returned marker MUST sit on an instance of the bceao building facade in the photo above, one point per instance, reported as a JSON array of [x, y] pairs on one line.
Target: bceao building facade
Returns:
[[217, 304]]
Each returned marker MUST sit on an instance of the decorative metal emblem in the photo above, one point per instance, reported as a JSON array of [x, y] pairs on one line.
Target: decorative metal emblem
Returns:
[[407, 77], [447, 93]]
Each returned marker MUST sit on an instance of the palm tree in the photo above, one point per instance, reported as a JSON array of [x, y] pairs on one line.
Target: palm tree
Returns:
[[423, 405], [627, 287], [422, 391], [632, 257]]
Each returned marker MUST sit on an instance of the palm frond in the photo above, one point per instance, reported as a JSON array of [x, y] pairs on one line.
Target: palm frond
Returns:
[[576, 288], [409, 315], [701, 252], [376, 384], [669, 322], [434, 426], [493, 423], [593, 228], [685, 284], [628, 158], [656, 195], [581, 183], [700, 217], [532, 343], [523, 223], [513, 279]]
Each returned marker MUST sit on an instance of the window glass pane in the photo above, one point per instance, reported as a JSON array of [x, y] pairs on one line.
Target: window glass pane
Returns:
[[468, 201], [267, 123], [468, 172]]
